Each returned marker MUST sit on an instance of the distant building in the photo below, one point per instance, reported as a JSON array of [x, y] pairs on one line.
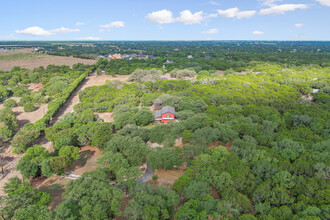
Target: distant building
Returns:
[[151, 57], [169, 61], [116, 56], [141, 56], [165, 114], [207, 57], [316, 90], [190, 57]]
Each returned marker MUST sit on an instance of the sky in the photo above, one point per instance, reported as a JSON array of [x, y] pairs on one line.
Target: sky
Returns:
[[165, 20]]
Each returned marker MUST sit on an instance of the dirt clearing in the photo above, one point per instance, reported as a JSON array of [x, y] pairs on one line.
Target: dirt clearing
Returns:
[[54, 185], [106, 116], [87, 163], [34, 86], [168, 177], [31, 60], [29, 117]]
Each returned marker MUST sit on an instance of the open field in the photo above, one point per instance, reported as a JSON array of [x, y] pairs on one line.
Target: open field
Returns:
[[31, 60], [168, 177], [87, 162]]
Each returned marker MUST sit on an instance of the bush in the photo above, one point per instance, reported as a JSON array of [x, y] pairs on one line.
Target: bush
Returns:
[[29, 107], [176, 73], [154, 178], [145, 75], [24, 100], [10, 103], [24, 139], [58, 164]]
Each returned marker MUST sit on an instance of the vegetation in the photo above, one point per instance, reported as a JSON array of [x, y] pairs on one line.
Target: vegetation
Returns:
[[255, 137]]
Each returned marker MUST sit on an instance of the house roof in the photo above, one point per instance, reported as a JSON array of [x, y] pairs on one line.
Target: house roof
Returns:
[[164, 110]]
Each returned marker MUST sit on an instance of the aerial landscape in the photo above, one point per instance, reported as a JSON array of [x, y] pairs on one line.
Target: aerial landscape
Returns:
[[165, 110]]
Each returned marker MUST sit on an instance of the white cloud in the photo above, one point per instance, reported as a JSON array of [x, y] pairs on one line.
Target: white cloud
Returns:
[[90, 38], [229, 13], [186, 17], [213, 3], [257, 32], [35, 31], [299, 25], [211, 31], [212, 15], [160, 17], [79, 23], [189, 18], [115, 24], [38, 31], [281, 9], [269, 2], [245, 14], [324, 2], [236, 13], [64, 30]]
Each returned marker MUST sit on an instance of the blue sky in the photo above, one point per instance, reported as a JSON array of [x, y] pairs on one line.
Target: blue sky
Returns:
[[165, 20]]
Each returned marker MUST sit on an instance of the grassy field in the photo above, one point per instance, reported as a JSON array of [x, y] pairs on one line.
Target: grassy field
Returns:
[[20, 56]]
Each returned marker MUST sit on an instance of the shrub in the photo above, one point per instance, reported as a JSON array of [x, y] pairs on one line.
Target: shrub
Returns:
[[154, 178], [24, 139], [10, 103], [145, 75], [29, 107]]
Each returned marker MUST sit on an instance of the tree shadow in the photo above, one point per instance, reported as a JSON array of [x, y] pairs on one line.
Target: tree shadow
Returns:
[[81, 162]]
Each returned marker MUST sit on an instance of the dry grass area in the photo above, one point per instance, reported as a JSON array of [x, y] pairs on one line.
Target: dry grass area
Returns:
[[228, 145], [54, 185], [29, 117], [154, 145], [34, 86], [105, 116], [168, 177], [87, 163], [214, 144], [217, 144], [22, 50], [31, 60]]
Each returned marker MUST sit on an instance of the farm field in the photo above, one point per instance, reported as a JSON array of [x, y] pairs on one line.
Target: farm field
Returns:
[[29, 60]]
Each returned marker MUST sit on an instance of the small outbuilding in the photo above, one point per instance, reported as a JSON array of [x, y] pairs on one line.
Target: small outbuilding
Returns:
[[165, 114]]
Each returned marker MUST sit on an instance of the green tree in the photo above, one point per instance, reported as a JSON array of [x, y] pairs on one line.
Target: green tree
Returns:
[[29, 107], [164, 158]]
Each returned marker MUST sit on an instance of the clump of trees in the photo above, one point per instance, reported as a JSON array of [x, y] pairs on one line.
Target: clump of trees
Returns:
[[148, 202], [8, 124], [10, 103], [131, 115], [145, 75], [177, 73], [29, 107], [23, 202], [90, 197]]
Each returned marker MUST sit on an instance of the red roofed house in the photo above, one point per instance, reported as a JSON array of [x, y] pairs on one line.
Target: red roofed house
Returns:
[[165, 115]]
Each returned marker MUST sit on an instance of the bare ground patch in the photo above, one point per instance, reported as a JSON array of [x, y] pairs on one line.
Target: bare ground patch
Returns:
[[87, 163], [35, 60], [54, 185], [168, 177], [29, 117], [34, 86], [105, 116]]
